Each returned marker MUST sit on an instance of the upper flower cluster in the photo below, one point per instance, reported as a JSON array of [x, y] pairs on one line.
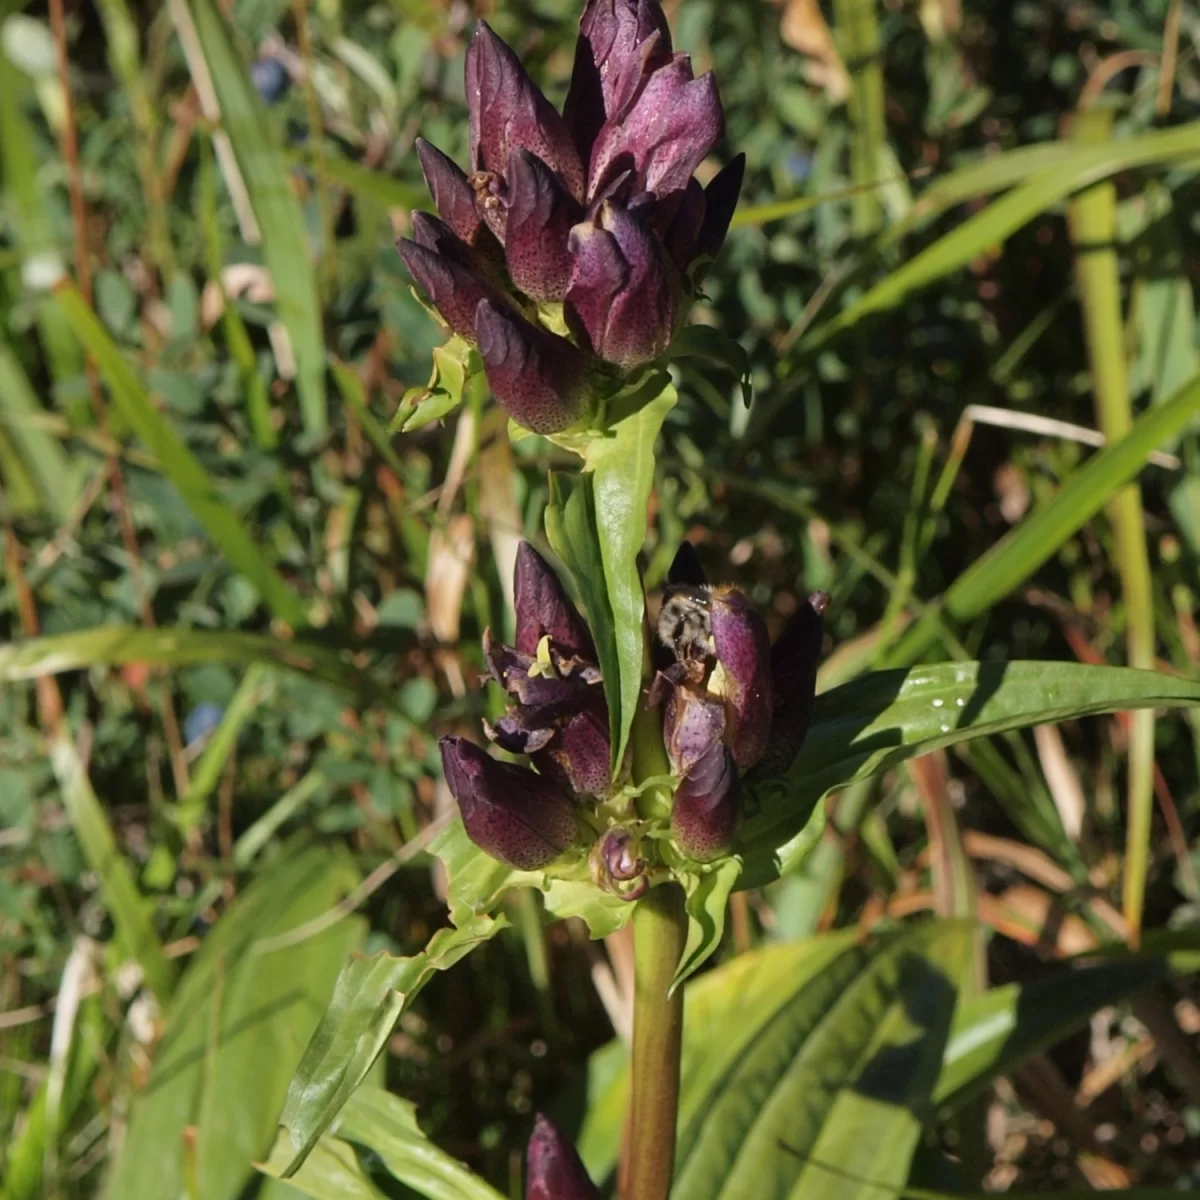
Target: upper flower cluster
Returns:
[[587, 224]]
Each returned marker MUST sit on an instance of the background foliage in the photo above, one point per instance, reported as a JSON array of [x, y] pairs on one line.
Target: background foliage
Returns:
[[237, 609]]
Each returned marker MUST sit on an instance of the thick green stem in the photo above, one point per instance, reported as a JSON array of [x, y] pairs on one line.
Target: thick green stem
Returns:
[[659, 930], [658, 935]]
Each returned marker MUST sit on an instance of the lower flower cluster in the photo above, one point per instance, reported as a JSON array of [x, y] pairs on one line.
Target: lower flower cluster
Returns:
[[731, 702]]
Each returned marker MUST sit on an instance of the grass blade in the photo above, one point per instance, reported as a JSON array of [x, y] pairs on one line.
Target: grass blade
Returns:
[[1092, 220], [1001, 218], [179, 464], [858, 38], [1015, 557], [285, 243], [50, 472], [124, 902], [113, 645]]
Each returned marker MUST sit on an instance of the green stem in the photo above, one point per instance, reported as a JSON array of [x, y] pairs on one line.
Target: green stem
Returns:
[[659, 931], [659, 928]]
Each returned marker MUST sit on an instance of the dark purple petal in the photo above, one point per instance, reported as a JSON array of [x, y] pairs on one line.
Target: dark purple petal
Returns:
[[555, 1170], [553, 695], [509, 812], [453, 289], [744, 651], [453, 195], [720, 201], [620, 43], [665, 135], [692, 724], [794, 659], [542, 609], [621, 296], [508, 112], [540, 379], [685, 224], [540, 216], [707, 806], [582, 749]]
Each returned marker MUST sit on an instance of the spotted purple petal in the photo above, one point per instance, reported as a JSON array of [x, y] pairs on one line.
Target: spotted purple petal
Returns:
[[621, 297], [540, 379], [453, 195], [620, 43], [508, 112], [707, 806], [720, 201], [453, 288], [743, 649], [667, 132], [542, 608], [508, 811], [538, 225]]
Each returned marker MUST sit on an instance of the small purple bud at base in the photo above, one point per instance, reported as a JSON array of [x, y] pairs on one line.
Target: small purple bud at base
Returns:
[[555, 1169]]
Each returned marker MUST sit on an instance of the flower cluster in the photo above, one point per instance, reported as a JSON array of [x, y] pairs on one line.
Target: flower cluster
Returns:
[[558, 717], [569, 254], [731, 700]]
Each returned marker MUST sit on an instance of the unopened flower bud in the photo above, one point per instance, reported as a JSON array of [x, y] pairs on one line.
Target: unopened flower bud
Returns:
[[555, 1170]]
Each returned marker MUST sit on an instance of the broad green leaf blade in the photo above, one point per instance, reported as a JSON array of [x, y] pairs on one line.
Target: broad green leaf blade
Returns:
[[792, 1051], [1016, 556], [881, 719], [857, 1048], [114, 645], [285, 243], [386, 1125], [571, 530], [621, 465], [235, 1031], [368, 999], [179, 464], [995, 1032], [126, 905], [706, 894], [55, 480]]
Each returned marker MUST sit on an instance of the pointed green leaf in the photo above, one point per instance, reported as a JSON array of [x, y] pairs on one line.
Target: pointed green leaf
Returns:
[[368, 999]]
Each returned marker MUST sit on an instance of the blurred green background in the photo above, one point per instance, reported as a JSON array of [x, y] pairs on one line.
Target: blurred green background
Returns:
[[206, 344]]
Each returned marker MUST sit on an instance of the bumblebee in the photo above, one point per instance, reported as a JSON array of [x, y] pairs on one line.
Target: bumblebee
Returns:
[[685, 621]]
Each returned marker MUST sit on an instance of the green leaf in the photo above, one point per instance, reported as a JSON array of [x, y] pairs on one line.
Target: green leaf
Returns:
[[711, 345], [128, 908], [280, 219], [368, 999], [1017, 555], [621, 466], [476, 883], [571, 529], [707, 894], [362, 181], [235, 1030], [995, 1032], [792, 1051], [114, 645], [881, 719], [179, 464], [54, 479], [421, 406], [386, 1125], [1005, 216]]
